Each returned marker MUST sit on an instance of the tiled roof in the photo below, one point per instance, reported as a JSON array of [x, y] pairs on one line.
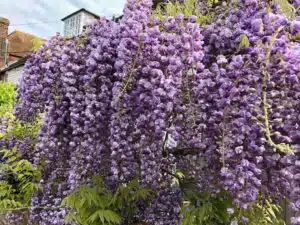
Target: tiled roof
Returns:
[[20, 43]]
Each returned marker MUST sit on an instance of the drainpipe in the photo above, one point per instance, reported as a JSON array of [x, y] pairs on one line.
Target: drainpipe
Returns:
[[6, 52]]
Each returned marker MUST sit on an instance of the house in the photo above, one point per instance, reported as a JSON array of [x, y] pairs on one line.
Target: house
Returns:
[[14, 46], [17, 46], [14, 50], [75, 23], [12, 73]]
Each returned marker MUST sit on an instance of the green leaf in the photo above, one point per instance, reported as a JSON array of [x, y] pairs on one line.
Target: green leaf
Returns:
[[37, 43], [96, 205], [105, 216], [180, 174], [286, 8], [188, 8], [244, 42]]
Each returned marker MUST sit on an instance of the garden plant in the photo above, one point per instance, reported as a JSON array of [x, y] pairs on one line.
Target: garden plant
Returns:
[[186, 112]]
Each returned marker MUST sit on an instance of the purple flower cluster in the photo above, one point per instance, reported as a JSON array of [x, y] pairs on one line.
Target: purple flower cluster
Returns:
[[3, 124], [247, 113], [226, 95], [165, 208], [124, 165]]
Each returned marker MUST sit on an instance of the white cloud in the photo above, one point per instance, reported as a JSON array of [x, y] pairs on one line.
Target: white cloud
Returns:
[[43, 17]]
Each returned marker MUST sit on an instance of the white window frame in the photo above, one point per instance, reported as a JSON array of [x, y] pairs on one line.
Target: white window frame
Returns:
[[72, 25]]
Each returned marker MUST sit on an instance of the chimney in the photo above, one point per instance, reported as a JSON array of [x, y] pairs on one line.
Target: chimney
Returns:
[[4, 23]]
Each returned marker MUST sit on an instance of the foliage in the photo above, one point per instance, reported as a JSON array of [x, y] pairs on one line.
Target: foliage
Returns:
[[244, 42], [7, 98], [19, 179], [218, 209], [208, 208], [192, 8], [14, 130], [95, 204], [265, 213], [188, 8], [8, 93], [286, 8], [203, 209], [37, 43], [21, 131], [18, 182]]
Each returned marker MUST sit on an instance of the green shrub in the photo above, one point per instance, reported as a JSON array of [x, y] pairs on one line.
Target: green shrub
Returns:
[[7, 99], [97, 205]]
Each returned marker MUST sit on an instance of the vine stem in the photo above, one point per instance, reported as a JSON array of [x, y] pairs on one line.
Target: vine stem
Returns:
[[130, 74], [223, 134], [189, 95], [266, 77]]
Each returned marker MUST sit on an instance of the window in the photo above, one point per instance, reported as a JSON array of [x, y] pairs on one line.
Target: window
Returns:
[[72, 26]]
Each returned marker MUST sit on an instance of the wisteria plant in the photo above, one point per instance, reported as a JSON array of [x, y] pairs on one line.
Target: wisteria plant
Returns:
[[209, 89]]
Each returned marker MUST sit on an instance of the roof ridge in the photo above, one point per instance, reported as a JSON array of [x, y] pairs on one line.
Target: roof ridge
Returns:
[[28, 34], [78, 11]]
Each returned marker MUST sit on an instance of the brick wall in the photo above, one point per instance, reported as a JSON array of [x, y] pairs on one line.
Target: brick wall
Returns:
[[4, 23]]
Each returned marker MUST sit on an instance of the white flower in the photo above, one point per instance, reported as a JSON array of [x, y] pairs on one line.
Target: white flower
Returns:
[[234, 222]]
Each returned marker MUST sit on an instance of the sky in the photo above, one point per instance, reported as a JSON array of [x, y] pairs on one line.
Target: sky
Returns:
[[42, 18]]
